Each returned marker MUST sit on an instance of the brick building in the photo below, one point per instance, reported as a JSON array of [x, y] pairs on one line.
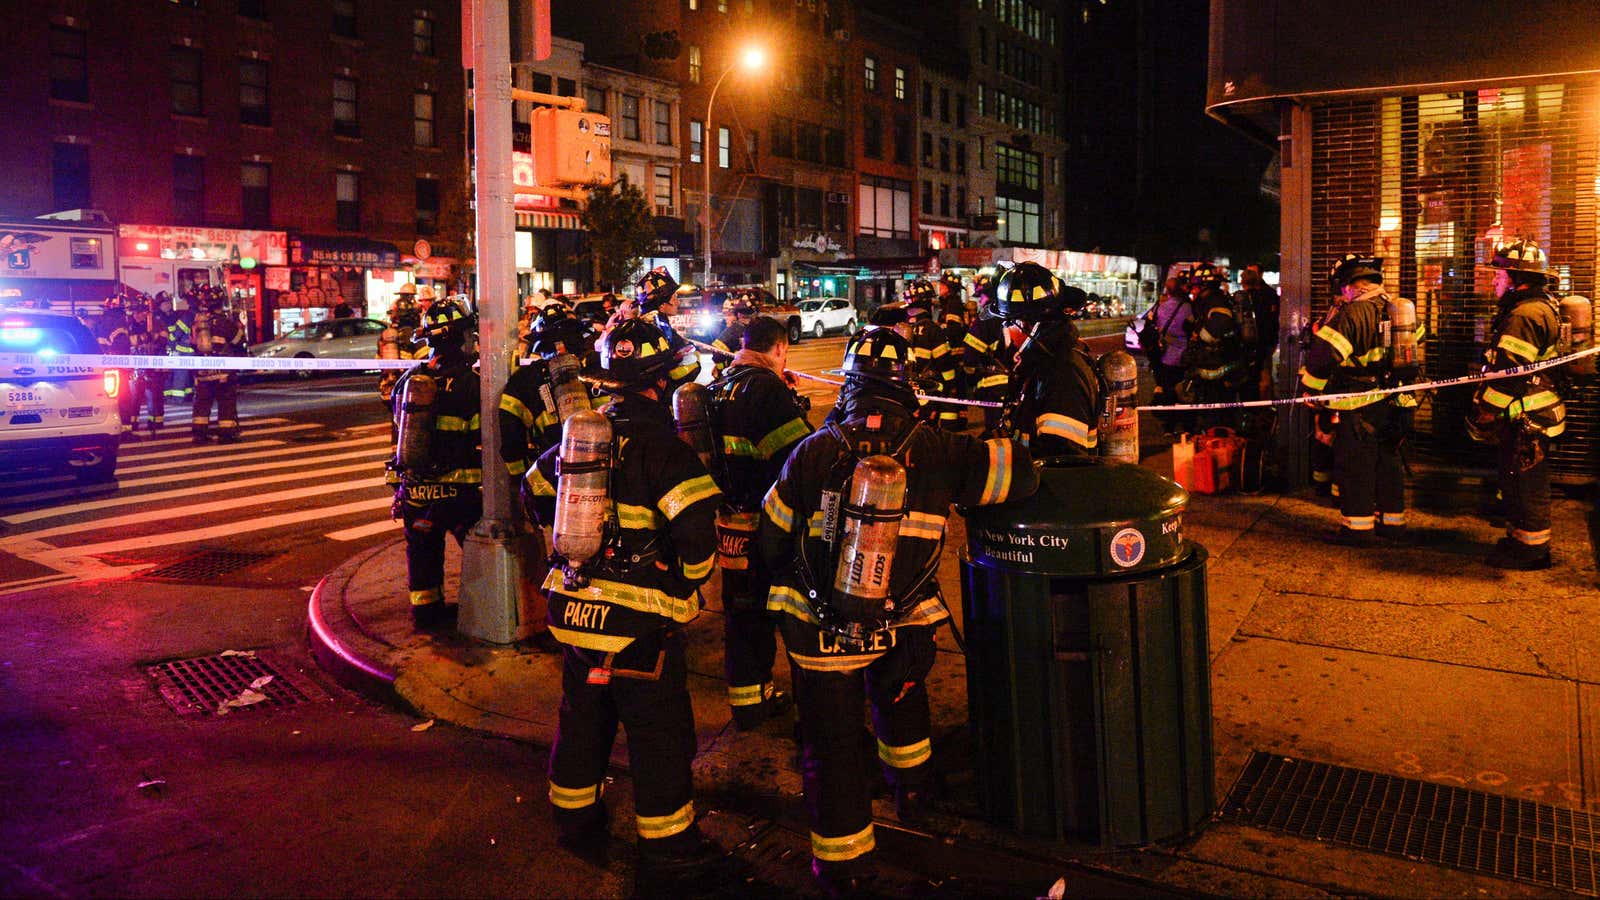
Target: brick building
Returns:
[[340, 123]]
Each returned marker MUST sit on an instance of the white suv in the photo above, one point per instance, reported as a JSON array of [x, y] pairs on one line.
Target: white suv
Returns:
[[56, 416], [820, 315]]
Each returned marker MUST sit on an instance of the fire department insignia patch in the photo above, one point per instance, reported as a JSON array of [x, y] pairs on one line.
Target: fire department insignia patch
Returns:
[[623, 350], [1127, 547]]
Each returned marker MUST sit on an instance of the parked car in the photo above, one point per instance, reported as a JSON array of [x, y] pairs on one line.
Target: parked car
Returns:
[[57, 417], [328, 339], [820, 315], [700, 312]]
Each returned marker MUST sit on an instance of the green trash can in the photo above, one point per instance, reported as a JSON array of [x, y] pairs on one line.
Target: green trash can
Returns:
[[1088, 682]]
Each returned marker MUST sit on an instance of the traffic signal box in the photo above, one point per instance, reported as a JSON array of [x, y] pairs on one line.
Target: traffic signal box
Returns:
[[570, 147]]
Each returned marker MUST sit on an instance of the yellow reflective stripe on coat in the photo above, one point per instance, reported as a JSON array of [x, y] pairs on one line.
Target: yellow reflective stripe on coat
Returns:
[[700, 570], [516, 468], [1496, 398], [843, 849], [1066, 428], [972, 340], [997, 480], [575, 798], [460, 476], [687, 494], [456, 423], [1312, 382], [733, 445], [814, 525], [834, 662], [931, 611], [539, 485], [777, 510], [1354, 402], [939, 350], [1532, 403], [1518, 346], [990, 381], [603, 643], [922, 525], [642, 517], [788, 601], [1339, 343], [641, 599], [654, 828], [907, 757], [512, 405], [684, 370], [781, 437]]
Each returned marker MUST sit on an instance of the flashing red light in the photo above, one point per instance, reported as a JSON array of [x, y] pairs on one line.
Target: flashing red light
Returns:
[[113, 382]]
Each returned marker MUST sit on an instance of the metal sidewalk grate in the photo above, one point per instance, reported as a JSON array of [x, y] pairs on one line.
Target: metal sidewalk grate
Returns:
[[230, 682], [207, 565], [1463, 829]]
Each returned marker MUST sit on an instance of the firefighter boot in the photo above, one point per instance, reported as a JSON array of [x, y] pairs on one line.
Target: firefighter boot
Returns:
[[773, 703], [197, 435], [431, 616], [690, 867], [1519, 557], [1350, 537], [589, 841], [841, 881]]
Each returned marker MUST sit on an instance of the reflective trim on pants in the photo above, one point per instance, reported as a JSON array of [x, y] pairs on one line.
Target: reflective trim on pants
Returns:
[[842, 849]]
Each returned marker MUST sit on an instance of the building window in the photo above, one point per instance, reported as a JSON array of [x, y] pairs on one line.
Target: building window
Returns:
[[944, 200], [1018, 220], [870, 74], [872, 133], [927, 149], [69, 64], [694, 4], [566, 87], [253, 108], [422, 119], [722, 6], [422, 35], [961, 110], [961, 158], [833, 147], [594, 99], [837, 212], [694, 64], [961, 201], [927, 198], [724, 147], [983, 46], [345, 120], [663, 192], [70, 171], [255, 181], [944, 154], [981, 92], [899, 83], [85, 253], [782, 137], [186, 94], [663, 111], [344, 18], [427, 205], [253, 9], [1016, 168], [347, 201], [944, 104], [902, 140], [697, 139], [807, 208], [751, 145], [883, 207], [189, 190], [808, 142], [927, 100], [630, 117], [542, 83]]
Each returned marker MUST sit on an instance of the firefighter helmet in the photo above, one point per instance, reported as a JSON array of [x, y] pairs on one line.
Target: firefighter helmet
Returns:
[[1352, 266], [920, 294], [877, 353], [407, 289], [113, 302], [1520, 256], [405, 312], [424, 294], [983, 289], [446, 320], [655, 288], [635, 354], [213, 297], [738, 305], [1028, 292], [1206, 275], [556, 334]]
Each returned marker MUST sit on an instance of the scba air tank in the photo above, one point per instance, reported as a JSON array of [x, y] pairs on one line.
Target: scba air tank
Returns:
[[691, 414], [582, 487], [1402, 334], [1119, 416], [567, 389], [413, 447], [1577, 332], [871, 528]]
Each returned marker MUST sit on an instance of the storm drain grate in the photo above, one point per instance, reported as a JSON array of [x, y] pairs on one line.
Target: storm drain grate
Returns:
[[231, 682], [207, 565], [1463, 829]]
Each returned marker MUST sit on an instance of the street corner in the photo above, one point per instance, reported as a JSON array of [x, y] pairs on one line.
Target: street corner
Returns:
[[501, 691]]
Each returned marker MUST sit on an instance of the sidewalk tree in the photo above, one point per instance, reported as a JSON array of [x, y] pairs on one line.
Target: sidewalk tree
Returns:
[[621, 233]]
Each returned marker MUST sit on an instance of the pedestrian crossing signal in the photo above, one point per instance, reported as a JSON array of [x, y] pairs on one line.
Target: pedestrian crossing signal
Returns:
[[570, 147]]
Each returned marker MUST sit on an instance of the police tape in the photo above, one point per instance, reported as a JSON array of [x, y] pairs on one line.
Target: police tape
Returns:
[[927, 398], [1513, 372], [71, 361]]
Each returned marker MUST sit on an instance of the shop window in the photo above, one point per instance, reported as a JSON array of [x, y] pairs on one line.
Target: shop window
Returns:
[[255, 181], [422, 119], [69, 64], [253, 94], [344, 18], [427, 205], [663, 111], [69, 166], [630, 117], [346, 122], [187, 99], [188, 189], [347, 201], [422, 35]]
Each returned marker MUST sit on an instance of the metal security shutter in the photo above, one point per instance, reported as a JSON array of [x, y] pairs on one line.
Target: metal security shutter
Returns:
[[1429, 182]]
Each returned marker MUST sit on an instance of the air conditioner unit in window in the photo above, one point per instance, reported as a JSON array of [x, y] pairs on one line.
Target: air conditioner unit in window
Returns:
[[842, 34], [838, 197]]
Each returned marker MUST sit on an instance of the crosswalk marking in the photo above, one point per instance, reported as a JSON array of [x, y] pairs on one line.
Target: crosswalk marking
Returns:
[[173, 453], [376, 455], [147, 450], [304, 450], [363, 531], [244, 431], [229, 529]]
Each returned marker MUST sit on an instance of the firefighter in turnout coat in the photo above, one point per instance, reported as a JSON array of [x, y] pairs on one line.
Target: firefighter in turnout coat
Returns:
[[1057, 409], [831, 503]]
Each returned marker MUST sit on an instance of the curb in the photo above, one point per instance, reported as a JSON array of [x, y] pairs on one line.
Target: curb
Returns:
[[351, 660]]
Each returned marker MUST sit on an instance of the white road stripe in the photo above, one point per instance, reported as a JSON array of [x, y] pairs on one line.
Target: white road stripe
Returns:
[[50, 555], [179, 493], [361, 531], [308, 451], [37, 583], [376, 454], [173, 452], [147, 448], [180, 513]]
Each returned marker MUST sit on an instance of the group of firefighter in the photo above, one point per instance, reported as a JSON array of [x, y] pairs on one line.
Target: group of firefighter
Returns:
[[143, 325], [828, 534]]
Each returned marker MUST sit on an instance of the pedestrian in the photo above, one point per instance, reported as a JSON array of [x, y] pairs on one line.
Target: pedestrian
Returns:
[[1168, 325], [620, 618], [437, 469], [217, 332], [1056, 410], [656, 296], [1349, 353], [1215, 360], [760, 419], [1522, 415], [878, 463], [343, 309]]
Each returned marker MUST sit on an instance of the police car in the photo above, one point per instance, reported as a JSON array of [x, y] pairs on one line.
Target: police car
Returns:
[[56, 417]]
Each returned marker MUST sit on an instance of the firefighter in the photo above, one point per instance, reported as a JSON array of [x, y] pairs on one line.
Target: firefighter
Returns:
[[1522, 414], [437, 467], [934, 366], [216, 332], [1266, 310], [737, 311], [987, 353], [880, 464], [1056, 411], [529, 425], [1215, 357], [657, 301], [759, 420], [620, 613], [150, 339], [180, 341], [113, 335], [1350, 352], [398, 340]]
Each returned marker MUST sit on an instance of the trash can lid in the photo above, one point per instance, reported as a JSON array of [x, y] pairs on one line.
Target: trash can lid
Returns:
[[1093, 519]]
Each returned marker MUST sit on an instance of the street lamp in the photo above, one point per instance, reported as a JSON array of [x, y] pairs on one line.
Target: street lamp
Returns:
[[752, 58]]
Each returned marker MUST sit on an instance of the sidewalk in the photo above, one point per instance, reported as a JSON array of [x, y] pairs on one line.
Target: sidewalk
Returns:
[[1416, 660]]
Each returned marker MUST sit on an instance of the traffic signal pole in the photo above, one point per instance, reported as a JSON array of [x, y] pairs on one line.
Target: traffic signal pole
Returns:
[[491, 567]]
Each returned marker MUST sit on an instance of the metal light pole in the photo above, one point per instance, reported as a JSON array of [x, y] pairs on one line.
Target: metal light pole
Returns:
[[752, 58], [491, 569]]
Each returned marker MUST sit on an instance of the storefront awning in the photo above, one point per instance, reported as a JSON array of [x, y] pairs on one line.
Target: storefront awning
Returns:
[[568, 221], [875, 266]]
